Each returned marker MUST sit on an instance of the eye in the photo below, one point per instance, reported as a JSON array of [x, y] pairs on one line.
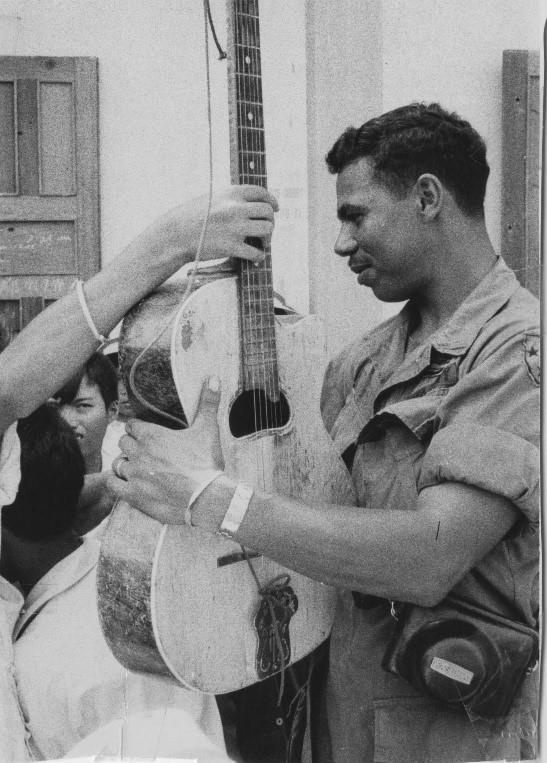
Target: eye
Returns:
[[355, 218]]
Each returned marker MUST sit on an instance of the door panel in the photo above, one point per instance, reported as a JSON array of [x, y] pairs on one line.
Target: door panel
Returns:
[[49, 181]]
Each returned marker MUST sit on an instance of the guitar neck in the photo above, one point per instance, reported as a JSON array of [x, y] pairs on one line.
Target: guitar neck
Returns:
[[248, 165]]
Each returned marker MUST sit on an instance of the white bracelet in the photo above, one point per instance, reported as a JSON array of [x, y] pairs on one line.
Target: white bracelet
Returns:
[[87, 315], [196, 494], [236, 511]]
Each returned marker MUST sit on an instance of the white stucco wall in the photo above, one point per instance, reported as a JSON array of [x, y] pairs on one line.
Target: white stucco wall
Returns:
[[152, 98], [453, 55], [382, 54]]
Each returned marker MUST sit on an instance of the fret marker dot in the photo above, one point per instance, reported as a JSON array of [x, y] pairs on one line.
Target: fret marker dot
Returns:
[[247, 59], [252, 165], [250, 116]]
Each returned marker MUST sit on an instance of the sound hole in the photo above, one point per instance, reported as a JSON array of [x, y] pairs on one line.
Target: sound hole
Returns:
[[254, 411]]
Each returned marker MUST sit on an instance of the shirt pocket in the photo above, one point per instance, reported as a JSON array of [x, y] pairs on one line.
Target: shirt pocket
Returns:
[[349, 423], [390, 452]]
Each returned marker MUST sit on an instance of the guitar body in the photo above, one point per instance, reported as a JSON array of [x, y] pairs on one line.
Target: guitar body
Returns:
[[180, 601]]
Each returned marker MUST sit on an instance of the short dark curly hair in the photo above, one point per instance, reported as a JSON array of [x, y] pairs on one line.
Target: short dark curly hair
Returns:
[[415, 139], [99, 370], [52, 476]]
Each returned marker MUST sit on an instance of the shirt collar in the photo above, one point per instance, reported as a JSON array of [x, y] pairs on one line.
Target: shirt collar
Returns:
[[486, 299], [62, 576], [456, 336]]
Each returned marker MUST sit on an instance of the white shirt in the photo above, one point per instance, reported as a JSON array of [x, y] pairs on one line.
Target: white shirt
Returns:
[[12, 728], [70, 685]]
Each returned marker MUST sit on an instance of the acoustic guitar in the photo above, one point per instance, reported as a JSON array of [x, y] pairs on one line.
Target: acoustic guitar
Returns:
[[174, 599]]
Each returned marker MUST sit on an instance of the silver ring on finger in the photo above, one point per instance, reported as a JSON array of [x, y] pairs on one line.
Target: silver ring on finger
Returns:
[[117, 466]]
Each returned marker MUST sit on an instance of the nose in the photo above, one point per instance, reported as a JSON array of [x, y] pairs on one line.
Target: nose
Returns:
[[69, 415], [345, 244]]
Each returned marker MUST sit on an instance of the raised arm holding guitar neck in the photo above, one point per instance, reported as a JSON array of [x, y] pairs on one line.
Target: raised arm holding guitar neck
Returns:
[[59, 340]]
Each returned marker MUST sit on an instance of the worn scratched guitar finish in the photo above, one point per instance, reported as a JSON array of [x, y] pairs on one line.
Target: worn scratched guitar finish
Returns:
[[178, 600]]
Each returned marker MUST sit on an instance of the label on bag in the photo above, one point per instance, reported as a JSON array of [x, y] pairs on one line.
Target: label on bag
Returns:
[[451, 670]]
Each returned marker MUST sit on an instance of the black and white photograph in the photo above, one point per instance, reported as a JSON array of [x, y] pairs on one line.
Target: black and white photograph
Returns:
[[270, 381]]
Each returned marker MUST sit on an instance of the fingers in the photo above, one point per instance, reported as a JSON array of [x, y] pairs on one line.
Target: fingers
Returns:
[[261, 212], [140, 430], [257, 193], [258, 229]]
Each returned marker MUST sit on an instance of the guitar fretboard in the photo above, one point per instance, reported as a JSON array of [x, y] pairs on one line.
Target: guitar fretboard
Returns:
[[258, 343]]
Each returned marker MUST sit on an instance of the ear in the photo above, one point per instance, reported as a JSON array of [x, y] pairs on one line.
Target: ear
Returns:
[[429, 196]]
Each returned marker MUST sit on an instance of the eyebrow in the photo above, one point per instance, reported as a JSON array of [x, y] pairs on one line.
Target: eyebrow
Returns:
[[347, 211]]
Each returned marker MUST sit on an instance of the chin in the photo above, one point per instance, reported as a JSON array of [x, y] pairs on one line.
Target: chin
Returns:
[[388, 295]]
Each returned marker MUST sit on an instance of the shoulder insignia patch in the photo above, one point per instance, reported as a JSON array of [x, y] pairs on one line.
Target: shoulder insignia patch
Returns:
[[532, 356]]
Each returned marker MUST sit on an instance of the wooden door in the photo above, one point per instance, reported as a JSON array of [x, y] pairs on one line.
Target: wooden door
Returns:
[[521, 161], [49, 182]]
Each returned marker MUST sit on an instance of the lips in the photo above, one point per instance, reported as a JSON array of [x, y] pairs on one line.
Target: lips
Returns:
[[364, 270]]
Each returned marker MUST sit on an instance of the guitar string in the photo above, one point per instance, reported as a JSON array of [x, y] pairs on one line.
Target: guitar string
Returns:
[[249, 159], [257, 138]]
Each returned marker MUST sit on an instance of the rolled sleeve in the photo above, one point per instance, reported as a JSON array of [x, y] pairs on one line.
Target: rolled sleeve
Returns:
[[487, 428], [487, 458]]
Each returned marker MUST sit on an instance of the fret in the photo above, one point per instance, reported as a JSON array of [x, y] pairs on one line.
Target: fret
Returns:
[[249, 75], [262, 315], [262, 293], [256, 154], [258, 322], [249, 167], [256, 327], [260, 334], [257, 300], [247, 60], [247, 6], [260, 362], [253, 103], [253, 163], [261, 368], [252, 144], [259, 274], [259, 351], [253, 132], [250, 115], [250, 177]]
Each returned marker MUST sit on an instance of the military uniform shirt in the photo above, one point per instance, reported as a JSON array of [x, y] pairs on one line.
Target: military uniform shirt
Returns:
[[462, 407]]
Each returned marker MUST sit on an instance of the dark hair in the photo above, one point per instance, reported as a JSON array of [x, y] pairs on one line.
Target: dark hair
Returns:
[[99, 370], [411, 140], [52, 476]]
